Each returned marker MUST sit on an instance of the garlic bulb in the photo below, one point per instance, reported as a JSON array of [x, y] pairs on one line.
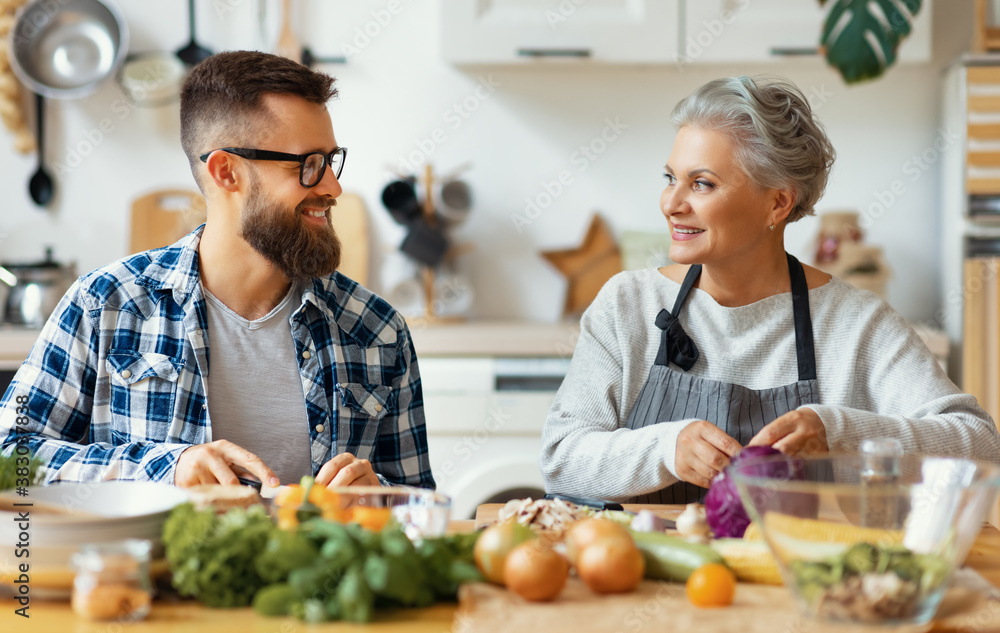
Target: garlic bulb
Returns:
[[693, 525]]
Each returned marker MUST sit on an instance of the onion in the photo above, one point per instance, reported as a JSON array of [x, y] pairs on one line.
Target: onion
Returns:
[[495, 543], [611, 565], [535, 571], [583, 533]]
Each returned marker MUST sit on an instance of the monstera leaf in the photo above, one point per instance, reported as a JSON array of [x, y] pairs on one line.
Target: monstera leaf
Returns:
[[861, 37]]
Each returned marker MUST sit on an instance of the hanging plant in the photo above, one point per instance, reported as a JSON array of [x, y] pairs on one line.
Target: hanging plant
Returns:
[[861, 37]]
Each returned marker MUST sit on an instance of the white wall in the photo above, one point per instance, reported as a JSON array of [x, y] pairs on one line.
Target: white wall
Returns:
[[397, 93]]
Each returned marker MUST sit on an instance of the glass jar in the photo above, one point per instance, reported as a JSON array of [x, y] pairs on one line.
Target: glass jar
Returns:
[[112, 581], [836, 227]]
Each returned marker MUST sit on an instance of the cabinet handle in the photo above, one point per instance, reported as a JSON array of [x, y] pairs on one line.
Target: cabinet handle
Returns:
[[553, 52], [791, 51]]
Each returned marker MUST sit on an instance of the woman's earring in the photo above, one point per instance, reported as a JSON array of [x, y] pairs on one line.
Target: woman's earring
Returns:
[[772, 226]]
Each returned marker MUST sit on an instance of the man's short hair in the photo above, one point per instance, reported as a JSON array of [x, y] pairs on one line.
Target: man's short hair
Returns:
[[222, 99]]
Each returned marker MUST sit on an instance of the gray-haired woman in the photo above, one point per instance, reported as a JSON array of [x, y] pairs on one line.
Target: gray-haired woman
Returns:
[[737, 343]]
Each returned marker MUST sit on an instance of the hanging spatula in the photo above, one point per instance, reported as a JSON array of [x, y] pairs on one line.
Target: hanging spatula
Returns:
[[288, 45]]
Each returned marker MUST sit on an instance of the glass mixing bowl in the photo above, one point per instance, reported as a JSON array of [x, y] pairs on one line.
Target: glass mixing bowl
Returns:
[[861, 544], [420, 513]]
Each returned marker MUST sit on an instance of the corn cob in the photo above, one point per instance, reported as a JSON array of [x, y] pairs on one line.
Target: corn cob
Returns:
[[751, 561], [816, 531]]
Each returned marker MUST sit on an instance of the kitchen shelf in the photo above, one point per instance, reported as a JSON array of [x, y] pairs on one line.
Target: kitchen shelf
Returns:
[[496, 338]]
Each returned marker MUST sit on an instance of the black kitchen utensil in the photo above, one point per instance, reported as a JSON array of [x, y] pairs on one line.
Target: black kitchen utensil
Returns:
[[40, 186], [597, 504], [400, 198], [193, 53], [308, 59], [251, 482], [425, 243]]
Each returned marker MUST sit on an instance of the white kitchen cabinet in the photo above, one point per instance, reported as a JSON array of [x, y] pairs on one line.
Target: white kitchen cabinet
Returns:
[[535, 31], [751, 31]]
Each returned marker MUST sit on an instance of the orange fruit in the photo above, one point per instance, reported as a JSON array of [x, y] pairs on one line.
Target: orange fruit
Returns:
[[373, 519], [711, 585]]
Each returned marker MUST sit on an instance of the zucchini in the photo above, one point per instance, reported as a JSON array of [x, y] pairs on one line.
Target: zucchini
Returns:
[[672, 558]]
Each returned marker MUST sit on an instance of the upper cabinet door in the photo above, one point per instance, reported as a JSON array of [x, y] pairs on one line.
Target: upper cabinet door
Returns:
[[773, 30], [524, 31]]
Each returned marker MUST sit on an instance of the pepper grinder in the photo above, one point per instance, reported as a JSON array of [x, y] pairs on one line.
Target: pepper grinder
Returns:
[[879, 477]]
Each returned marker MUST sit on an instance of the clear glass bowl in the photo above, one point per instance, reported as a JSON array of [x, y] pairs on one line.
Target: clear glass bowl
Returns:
[[421, 513], [861, 545]]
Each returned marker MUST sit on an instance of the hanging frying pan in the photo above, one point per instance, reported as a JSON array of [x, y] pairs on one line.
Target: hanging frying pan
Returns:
[[64, 50]]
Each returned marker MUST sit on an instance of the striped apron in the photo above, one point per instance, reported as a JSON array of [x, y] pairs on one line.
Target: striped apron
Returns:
[[671, 395]]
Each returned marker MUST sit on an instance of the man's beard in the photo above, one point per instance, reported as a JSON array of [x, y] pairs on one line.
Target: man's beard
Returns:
[[284, 239]]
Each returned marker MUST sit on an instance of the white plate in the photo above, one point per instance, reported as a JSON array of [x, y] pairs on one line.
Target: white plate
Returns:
[[107, 499]]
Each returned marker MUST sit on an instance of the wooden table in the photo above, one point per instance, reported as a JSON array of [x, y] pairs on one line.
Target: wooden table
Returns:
[[190, 617]]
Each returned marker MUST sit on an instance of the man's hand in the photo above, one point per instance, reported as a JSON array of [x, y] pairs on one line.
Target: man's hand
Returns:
[[799, 432], [219, 462], [703, 450], [347, 470]]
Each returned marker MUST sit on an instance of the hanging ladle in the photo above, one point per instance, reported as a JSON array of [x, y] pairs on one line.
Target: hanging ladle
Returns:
[[193, 53], [40, 186]]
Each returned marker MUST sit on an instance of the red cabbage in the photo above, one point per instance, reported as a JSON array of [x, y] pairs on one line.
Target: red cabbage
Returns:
[[723, 508]]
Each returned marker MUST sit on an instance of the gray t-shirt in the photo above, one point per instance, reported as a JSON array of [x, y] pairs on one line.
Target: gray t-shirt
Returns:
[[255, 397]]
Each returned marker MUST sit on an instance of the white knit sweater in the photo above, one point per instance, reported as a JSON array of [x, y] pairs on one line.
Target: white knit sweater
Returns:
[[876, 379]]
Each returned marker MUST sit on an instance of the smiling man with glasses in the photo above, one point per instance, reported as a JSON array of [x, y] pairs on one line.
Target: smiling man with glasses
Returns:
[[239, 351]]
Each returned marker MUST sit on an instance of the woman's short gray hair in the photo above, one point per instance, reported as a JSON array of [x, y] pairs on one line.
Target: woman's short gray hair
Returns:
[[780, 144]]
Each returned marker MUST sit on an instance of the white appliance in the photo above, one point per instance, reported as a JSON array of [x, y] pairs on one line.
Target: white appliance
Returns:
[[484, 425]]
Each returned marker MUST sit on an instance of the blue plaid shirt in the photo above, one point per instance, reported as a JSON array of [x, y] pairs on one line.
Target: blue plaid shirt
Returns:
[[115, 383]]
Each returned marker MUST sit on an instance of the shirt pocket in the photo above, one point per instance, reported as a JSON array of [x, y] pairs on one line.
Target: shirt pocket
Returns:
[[373, 401], [143, 386], [128, 368]]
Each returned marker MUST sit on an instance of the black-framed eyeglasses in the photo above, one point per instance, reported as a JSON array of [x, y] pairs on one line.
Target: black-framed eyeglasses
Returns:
[[312, 166]]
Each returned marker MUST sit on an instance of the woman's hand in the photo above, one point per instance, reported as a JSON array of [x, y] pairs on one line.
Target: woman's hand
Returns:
[[799, 432], [703, 450]]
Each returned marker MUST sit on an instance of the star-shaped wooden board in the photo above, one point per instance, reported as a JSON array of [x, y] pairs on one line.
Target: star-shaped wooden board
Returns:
[[588, 267]]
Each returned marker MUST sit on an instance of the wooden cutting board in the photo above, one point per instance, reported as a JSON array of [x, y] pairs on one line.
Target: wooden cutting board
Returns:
[[972, 604], [162, 217], [350, 221], [486, 513]]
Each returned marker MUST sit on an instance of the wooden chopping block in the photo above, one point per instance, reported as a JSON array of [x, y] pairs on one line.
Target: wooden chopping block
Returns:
[[162, 217], [588, 267], [350, 221], [657, 606]]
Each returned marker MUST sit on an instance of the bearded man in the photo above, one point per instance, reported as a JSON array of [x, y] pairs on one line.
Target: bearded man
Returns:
[[239, 351]]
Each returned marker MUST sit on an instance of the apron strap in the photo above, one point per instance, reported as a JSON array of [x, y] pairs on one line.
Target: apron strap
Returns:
[[675, 345], [804, 348], [689, 280]]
